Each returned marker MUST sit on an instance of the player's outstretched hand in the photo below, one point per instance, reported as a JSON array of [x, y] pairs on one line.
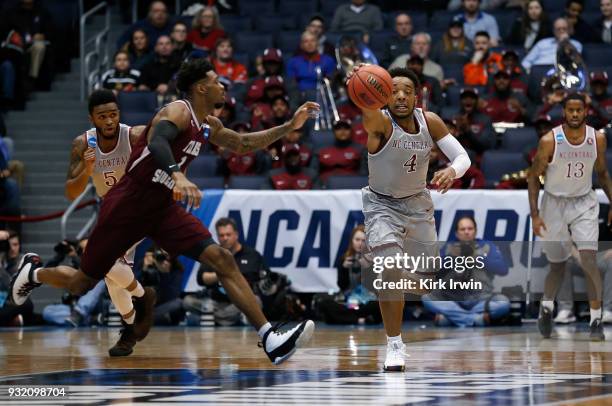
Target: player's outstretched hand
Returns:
[[186, 191], [302, 114], [444, 179], [214, 123], [350, 73], [538, 225]]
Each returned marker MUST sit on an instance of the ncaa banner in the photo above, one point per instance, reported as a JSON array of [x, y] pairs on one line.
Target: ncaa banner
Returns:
[[303, 233]]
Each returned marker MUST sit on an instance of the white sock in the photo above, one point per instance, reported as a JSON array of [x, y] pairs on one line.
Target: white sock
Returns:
[[122, 299], [595, 314], [122, 275], [264, 329], [396, 339], [548, 304]]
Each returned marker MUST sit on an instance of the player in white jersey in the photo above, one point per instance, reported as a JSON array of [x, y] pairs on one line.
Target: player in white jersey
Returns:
[[570, 210], [102, 154], [397, 206]]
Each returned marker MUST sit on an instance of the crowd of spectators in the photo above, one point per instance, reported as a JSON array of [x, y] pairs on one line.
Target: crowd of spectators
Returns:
[[477, 68]]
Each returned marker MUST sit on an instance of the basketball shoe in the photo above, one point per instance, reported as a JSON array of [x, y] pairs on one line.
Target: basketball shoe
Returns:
[[565, 316], [545, 322], [22, 283], [596, 330], [125, 344], [395, 360], [280, 345]]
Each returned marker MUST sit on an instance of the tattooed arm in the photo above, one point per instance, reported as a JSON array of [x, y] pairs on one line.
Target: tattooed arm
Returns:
[[243, 143], [82, 159]]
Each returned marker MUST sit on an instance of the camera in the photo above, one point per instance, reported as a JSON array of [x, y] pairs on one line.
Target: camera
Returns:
[[160, 256]]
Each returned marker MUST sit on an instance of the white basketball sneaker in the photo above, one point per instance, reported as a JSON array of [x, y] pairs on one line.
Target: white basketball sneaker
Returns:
[[23, 282], [396, 357], [607, 317], [565, 316], [279, 346]]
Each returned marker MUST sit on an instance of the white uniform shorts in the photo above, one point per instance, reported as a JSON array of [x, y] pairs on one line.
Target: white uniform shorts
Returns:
[[569, 220], [407, 223]]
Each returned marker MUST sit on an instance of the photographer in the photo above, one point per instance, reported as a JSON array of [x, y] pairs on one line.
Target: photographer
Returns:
[[165, 274], [10, 254], [353, 302], [74, 311], [269, 287], [476, 307]]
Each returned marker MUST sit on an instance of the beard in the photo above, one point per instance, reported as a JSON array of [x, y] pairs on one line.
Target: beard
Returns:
[[101, 132], [572, 126]]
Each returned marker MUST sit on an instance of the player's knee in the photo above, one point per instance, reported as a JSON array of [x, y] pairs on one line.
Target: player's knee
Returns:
[[222, 260]]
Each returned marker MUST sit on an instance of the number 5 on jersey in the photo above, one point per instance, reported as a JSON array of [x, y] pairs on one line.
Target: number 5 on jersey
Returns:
[[110, 179], [411, 164]]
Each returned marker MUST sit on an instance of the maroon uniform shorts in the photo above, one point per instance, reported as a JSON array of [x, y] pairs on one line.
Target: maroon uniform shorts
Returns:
[[133, 210]]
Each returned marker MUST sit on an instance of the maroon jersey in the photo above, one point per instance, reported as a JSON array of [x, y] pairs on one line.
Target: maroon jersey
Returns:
[[185, 147]]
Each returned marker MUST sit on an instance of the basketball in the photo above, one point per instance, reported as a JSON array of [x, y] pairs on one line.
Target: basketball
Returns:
[[370, 87]]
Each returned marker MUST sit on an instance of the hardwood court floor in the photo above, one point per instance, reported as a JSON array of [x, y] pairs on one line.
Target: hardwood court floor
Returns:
[[497, 366]]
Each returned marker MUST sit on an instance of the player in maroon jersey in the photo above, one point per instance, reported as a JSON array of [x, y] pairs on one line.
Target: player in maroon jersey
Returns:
[[146, 203]]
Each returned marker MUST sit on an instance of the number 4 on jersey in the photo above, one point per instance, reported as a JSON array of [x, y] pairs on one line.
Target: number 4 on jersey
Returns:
[[411, 164]]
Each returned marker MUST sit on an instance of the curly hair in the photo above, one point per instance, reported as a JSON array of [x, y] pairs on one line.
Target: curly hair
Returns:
[[406, 73], [191, 71]]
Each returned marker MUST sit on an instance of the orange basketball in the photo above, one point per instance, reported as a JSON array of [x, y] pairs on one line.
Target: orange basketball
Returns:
[[370, 88]]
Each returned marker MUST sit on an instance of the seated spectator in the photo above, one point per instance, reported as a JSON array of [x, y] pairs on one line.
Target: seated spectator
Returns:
[[542, 124], [504, 105], [473, 177], [33, 23], [553, 99], [475, 21], [603, 25], [270, 288], [280, 112], [302, 68], [430, 85], [544, 52], [484, 62], [349, 111], [293, 176], [10, 255], [531, 27], [10, 167], [157, 73], [225, 64], [475, 129], [565, 297], [316, 26], [12, 62], [182, 48], [357, 16], [294, 138], [345, 157], [399, 43], [77, 312], [206, 29], [157, 23], [121, 78], [487, 4], [518, 77], [272, 63], [600, 102], [261, 112], [251, 163], [421, 45], [351, 52], [138, 50], [579, 29], [470, 307], [353, 303], [165, 274], [454, 48]]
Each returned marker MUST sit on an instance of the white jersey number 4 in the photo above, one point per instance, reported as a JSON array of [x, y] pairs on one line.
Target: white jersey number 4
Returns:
[[411, 164]]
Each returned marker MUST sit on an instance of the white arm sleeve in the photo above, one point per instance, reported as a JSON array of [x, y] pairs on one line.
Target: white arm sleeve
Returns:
[[460, 161]]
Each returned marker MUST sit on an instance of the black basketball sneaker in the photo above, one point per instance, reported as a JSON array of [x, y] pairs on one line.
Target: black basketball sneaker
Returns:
[[597, 331], [545, 322], [279, 346]]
